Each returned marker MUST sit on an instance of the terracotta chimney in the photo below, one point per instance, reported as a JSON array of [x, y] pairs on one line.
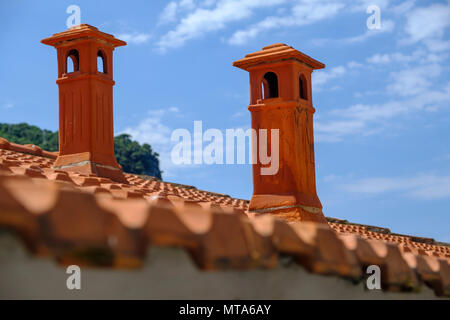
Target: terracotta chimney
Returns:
[[86, 135], [281, 98]]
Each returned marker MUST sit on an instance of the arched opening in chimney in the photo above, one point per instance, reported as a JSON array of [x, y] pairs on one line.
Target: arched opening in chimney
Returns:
[[72, 61], [302, 87], [270, 86], [101, 61]]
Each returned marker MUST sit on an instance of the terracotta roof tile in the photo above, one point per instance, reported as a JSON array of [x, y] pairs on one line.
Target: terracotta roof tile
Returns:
[[112, 224]]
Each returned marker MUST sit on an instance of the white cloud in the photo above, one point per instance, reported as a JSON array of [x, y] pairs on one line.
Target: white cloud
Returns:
[[196, 20], [151, 130], [437, 45], [368, 119], [333, 131], [387, 26], [187, 4], [134, 38], [361, 5], [429, 22], [173, 8], [417, 57], [428, 25], [413, 88], [154, 131], [321, 77], [413, 81], [303, 13], [423, 186], [208, 3], [169, 13], [203, 20], [404, 7], [396, 57], [239, 114], [354, 65], [379, 58]]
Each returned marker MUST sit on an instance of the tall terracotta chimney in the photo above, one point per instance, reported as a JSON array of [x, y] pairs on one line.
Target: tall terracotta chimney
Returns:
[[281, 98], [86, 135]]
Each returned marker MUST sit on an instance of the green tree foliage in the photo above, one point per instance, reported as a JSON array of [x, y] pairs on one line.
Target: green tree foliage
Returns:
[[23, 133], [133, 157]]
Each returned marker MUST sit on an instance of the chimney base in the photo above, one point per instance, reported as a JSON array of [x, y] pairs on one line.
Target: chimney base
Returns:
[[81, 163], [296, 214], [295, 207]]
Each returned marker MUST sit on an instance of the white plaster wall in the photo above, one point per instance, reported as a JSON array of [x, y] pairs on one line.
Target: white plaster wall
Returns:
[[170, 274]]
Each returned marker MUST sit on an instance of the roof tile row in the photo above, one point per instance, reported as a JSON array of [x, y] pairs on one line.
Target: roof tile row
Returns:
[[16, 163], [103, 231], [95, 221]]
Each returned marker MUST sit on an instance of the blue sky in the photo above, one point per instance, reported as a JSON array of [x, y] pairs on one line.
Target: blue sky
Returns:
[[382, 124]]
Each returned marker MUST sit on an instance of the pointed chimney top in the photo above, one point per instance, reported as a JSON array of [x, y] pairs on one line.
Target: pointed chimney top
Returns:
[[82, 31], [276, 52]]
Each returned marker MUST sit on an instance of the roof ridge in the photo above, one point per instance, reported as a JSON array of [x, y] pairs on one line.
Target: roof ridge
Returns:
[[26, 149]]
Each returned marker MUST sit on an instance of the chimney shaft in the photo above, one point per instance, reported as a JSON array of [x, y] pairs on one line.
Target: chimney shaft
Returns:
[[281, 98], [85, 81]]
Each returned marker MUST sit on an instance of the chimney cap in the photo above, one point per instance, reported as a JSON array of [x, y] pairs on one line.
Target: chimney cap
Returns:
[[276, 52], [82, 31]]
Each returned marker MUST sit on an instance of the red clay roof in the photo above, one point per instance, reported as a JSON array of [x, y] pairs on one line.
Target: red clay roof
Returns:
[[94, 221]]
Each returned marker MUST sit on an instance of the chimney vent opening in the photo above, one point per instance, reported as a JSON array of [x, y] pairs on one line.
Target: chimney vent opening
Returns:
[[101, 63], [302, 87], [270, 86], [72, 61]]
